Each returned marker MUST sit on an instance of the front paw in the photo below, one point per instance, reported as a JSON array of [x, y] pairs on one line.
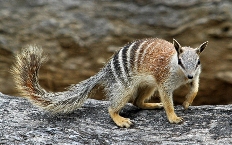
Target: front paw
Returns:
[[176, 120], [186, 105]]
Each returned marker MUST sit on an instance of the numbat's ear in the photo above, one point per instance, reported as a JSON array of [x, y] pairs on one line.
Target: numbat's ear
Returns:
[[177, 46], [202, 47]]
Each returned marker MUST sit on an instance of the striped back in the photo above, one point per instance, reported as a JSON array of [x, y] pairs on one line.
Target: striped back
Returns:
[[141, 56]]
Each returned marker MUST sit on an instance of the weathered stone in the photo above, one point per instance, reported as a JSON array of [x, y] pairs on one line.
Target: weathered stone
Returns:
[[72, 32], [22, 123]]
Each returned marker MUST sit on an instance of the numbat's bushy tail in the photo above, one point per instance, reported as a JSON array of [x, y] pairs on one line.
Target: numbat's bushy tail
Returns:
[[134, 73], [25, 72]]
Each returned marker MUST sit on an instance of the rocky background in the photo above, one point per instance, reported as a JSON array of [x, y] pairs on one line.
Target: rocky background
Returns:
[[80, 36]]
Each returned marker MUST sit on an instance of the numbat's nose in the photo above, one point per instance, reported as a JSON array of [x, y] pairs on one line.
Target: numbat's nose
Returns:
[[190, 77]]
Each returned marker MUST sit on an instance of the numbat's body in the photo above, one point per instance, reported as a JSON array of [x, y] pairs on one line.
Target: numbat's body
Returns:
[[134, 73]]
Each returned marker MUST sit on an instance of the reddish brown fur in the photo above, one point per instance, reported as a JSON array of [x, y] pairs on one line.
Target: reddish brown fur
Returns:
[[156, 63]]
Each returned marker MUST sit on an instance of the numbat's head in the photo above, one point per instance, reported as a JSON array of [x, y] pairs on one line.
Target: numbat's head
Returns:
[[188, 58]]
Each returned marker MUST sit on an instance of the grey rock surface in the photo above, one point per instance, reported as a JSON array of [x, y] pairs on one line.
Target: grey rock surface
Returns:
[[22, 123], [79, 36]]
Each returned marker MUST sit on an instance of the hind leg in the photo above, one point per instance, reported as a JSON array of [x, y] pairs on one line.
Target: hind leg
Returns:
[[118, 101], [143, 94]]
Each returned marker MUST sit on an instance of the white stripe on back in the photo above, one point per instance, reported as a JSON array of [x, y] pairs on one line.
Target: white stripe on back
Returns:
[[120, 59], [137, 54], [129, 57], [145, 52]]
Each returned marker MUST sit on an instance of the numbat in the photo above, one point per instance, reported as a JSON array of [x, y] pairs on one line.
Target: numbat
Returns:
[[134, 73]]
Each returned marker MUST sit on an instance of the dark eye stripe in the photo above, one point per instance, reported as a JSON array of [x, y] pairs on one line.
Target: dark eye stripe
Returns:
[[180, 63], [198, 63]]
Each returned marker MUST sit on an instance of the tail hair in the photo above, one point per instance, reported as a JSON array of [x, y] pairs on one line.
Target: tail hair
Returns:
[[25, 73]]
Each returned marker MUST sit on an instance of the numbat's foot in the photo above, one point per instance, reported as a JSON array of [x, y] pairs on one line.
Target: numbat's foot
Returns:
[[119, 120], [152, 105], [175, 119], [122, 122], [186, 105]]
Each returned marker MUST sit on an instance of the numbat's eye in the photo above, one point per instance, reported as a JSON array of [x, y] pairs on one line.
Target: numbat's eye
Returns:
[[199, 62]]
